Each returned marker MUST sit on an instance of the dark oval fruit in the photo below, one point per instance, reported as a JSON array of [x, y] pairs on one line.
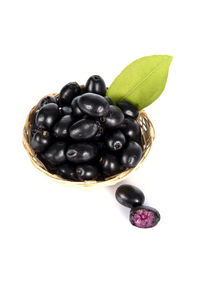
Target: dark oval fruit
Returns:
[[47, 100], [115, 141], [109, 164], [83, 130], [60, 129], [40, 141], [144, 216], [55, 155], [109, 100], [67, 171], [80, 153], [93, 105], [129, 195], [114, 117], [131, 129], [75, 109], [96, 84], [68, 92], [128, 109], [86, 172], [65, 110], [47, 116], [131, 155]]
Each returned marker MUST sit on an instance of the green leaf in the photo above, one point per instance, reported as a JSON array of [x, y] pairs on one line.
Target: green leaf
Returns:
[[141, 82]]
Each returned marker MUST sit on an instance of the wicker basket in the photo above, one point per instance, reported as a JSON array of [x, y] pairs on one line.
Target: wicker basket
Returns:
[[148, 135]]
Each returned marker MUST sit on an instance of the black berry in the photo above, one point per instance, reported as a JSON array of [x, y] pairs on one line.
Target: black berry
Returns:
[[129, 195]]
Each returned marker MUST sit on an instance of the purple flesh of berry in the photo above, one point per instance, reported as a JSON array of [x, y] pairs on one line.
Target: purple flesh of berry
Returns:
[[144, 217]]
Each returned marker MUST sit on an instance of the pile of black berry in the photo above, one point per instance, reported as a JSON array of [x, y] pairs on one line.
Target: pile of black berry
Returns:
[[81, 135]]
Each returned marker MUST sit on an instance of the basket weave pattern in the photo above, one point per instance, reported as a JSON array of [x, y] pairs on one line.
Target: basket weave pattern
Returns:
[[148, 135]]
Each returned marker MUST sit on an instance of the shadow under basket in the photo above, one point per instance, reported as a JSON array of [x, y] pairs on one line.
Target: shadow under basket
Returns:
[[148, 135]]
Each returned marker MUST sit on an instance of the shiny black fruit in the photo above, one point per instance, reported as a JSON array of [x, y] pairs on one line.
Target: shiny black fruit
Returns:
[[80, 153], [128, 109], [131, 155], [55, 155], [65, 110], [40, 141], [68, 93], [47, 116], [96, 84], [83, 130], [114, 117], [109, 164], [129, 195], [131, 129], [144, 216], [47, 100], [86, 172], [60, 129], [109, 100], [93, 105], [115, 141], [75, 109], [67, 171]]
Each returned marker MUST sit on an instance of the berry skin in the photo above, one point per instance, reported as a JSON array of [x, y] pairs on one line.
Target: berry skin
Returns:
[[86, 172], [47, 116], [75, 109], [115, 141], [144, 216], [65, 110], [80, 153], [128, 109], [96, 85], [131, 155], [109, 100], [60, 129], [67, 171], [68, 93], [40, 141], [129, 195], [131, 129], [114, 117], [109, 165], [93, 105], [47, 100], [55, 155], [83, 130]]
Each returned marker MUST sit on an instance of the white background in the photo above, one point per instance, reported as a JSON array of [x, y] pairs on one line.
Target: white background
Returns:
[[61, 243]]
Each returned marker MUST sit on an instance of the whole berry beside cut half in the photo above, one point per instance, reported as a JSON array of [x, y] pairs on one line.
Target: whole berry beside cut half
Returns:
[[96, 84], [93, 105], [129, 195], [144, 216]]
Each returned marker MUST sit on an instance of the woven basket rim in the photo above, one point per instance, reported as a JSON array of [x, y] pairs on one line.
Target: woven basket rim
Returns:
[[90, 183]]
